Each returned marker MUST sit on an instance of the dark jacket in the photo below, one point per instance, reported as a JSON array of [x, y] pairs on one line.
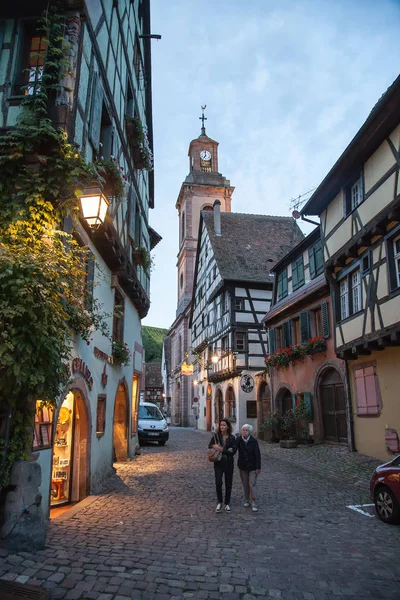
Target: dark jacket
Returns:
[[249, 454], [230, 443]]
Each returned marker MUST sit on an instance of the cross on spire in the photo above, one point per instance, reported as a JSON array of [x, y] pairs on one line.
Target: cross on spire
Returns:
[[202, 119]]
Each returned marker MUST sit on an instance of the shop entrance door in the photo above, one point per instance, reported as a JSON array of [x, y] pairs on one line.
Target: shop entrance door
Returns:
[[208, 408], [70, 453], [333, 406], [120, 437]]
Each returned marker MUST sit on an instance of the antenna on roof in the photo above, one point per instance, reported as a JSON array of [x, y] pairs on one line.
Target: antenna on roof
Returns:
[[296, 203]]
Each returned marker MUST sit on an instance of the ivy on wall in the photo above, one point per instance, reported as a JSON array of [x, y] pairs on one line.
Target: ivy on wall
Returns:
[[42, 268]]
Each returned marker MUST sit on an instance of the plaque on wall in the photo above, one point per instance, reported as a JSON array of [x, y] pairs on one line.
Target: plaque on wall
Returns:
[[247, 383]]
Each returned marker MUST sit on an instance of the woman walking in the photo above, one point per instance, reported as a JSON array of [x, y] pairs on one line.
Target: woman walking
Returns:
[[249, 463], [223, 441]]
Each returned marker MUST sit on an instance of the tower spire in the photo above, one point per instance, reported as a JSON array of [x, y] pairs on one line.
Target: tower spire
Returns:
[[202, 119]]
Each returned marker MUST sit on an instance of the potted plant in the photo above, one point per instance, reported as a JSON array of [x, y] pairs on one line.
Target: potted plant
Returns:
[[120, 353], [274, 424], [138, 140], [142, 257], [112, 178], [314, 345], [303, 417], [289, 429]]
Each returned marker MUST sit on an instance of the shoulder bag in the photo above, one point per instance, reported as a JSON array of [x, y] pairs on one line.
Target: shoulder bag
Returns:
[[214, 455]]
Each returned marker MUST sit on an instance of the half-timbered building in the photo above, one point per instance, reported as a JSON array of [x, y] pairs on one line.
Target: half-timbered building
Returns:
[[231, 293], [107, 84], [302, 360], [359, 205]]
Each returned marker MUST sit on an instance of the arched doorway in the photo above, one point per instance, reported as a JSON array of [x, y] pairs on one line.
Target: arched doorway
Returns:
[[208, 408], [284, 400], [70, 462], [219, 406], [264, 406], [333, 406], [230, 402], [120, 431]]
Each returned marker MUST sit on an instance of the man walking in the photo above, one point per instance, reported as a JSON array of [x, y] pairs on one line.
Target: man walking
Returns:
[[249, 463]]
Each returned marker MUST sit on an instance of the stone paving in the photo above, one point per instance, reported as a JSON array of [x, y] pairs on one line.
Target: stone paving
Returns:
[[153, 533]]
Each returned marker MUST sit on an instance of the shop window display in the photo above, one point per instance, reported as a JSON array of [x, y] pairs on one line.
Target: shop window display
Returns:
[[42, 433], [62, 457]]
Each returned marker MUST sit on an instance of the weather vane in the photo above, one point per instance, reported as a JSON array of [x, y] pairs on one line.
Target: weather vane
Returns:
[[202, 119]]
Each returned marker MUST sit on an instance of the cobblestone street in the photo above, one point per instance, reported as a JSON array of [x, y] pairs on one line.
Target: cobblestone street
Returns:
[[153, 534]]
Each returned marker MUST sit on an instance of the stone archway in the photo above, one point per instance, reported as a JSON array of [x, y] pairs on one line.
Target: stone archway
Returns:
[[230, 403], [219, 406], [208, 408], [284, 400], [263, 407], [121, 424], [332, 405]]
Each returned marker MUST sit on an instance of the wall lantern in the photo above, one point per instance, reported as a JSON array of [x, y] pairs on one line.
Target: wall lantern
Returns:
[[215, 359], [195, 382], [94, 206]]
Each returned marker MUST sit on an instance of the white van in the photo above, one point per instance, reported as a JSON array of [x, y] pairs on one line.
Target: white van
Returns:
[[152, 427]]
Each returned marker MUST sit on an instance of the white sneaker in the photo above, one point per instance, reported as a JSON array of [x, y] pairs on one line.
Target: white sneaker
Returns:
[[227, 508], [246, 503], [254, 508], [219, 507]]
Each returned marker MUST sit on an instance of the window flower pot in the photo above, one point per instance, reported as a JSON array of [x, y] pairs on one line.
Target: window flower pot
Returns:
[[288, 443]]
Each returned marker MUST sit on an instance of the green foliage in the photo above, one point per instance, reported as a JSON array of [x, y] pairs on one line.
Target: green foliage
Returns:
[[144, 258], [112, 178], [152, 342], [42, 269], [121, 353], [138, 139]]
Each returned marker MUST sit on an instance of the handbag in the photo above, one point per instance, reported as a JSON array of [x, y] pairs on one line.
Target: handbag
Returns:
[[213, 454]]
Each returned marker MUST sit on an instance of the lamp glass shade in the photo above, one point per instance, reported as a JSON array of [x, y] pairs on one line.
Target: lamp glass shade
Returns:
[[214, 359], [94, 207]]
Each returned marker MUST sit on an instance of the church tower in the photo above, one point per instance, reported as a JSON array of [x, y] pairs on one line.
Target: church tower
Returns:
[[203, 185]]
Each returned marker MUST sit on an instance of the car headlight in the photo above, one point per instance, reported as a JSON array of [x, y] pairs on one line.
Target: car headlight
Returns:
[[140, 428], [165, 428]]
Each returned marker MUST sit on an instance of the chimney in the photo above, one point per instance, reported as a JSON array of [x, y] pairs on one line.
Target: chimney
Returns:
[[217, 217]]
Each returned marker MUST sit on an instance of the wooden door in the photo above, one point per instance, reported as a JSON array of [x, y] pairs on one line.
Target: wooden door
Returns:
[[333, 406]]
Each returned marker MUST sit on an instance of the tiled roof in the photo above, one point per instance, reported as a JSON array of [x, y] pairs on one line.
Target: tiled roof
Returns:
[[153, 375], [250, 245]]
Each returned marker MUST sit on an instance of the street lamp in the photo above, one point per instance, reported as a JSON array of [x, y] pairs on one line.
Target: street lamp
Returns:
[[215, 359], [94, 206], [195, 382]]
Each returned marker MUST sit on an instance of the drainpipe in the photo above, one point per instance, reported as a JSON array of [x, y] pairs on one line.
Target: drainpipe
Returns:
[[350, 408]]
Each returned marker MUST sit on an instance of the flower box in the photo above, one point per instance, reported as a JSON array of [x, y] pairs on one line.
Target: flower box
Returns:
[[288, 443]]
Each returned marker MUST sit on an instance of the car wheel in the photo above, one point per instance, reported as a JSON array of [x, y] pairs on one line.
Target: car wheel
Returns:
[[386, 505], [161, 443]]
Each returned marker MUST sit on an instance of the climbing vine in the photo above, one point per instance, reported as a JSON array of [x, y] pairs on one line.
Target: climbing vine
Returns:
[[44, 299]]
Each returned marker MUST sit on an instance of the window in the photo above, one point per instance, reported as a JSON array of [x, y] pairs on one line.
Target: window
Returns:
[[226, 308], [251, 409], [286, 334], [316, 324], [353, 195], [224, 344], [137, 58], [181, 280], [393, 258], [240, 341], [239, 304], [297, 273], [282, 285], [183, 227], [396, 256], [118, 318], [101, 414], [316, 259], [42, 433], [350, 295], [344, 299], [31, 61], [106, 135], [295, 331], [356, 290], [368, 395]]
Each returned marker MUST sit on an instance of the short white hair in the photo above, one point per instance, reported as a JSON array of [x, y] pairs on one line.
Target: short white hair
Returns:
[[248, 427]]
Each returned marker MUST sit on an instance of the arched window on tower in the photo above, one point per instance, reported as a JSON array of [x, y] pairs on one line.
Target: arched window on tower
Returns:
[[180, 350], [183, 227]]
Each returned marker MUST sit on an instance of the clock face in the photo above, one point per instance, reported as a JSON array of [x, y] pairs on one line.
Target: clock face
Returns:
[[205, 155]]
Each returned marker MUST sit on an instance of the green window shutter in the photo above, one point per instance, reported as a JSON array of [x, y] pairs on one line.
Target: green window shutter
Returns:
[[295, 276], [294, 400], [287, 334], [279, 292], [300, 271], [308, 404], [96, 110], [325, 319], [272, 344], [319, 259], [311, 257], [284, 284], [304, 326]]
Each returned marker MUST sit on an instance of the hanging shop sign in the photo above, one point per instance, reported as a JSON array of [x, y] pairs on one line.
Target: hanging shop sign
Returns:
[[104, 377], [247, 383], [186, 369], [79, 366]]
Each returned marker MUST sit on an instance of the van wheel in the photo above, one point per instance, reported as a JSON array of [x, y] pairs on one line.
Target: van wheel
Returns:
[[161, 443]]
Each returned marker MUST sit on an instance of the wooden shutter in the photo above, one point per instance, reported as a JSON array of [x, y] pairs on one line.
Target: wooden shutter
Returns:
[[272, 343], [304, 326], [95, 113], [367, 391], [287, 334], [308, 404], [294, 398], [311, 256], [295, 275], [319, 258], [361, 395], [284, 283], [325, 319]]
